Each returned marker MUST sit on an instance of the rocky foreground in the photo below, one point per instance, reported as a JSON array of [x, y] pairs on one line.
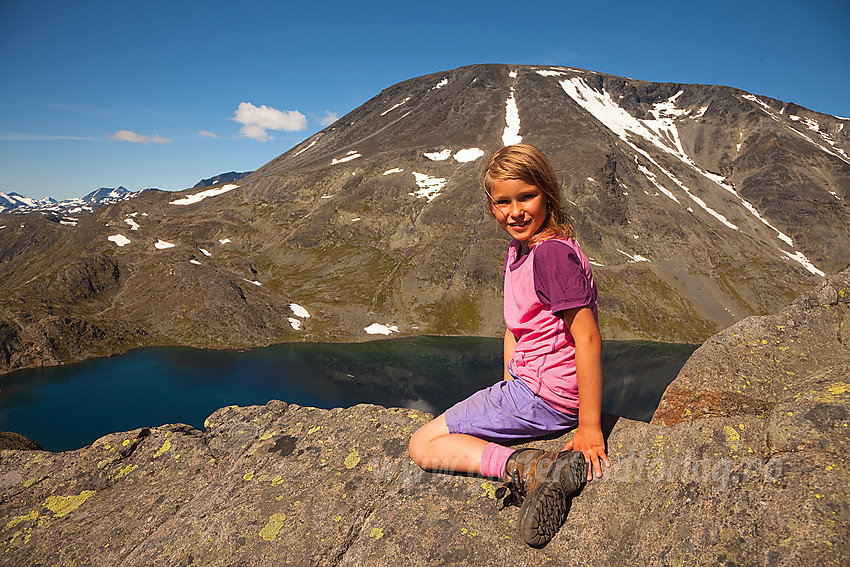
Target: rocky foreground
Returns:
[[745, 463]]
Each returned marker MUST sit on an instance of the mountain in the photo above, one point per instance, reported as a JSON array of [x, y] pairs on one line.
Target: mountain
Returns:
[[14, 202], [106, 195], [229, 177], [699, 205]]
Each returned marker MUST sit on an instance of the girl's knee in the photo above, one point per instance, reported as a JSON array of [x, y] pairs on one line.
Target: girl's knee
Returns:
[[416, 446]]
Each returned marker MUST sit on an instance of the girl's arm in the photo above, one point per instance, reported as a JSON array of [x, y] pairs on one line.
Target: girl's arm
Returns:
[[510, 345], [588, 436]]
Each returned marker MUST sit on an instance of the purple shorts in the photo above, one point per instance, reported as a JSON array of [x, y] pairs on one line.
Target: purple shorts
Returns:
[[506, 411]]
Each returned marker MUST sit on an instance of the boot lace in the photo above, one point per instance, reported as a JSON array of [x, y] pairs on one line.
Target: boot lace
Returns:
[[512, 492]]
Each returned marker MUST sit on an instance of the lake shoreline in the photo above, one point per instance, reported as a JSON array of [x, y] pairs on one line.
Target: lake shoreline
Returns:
[[68, 406]]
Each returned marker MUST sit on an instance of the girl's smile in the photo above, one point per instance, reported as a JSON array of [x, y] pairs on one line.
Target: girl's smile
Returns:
[[519, 208]]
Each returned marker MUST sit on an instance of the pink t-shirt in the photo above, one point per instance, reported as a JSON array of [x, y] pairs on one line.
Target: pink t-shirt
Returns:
[[553, 276]]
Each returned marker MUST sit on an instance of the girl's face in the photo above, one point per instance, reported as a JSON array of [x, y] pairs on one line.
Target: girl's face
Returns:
[[519, 208]]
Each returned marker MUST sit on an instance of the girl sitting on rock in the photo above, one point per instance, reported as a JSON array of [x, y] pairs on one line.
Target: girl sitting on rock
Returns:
[[553, 371]]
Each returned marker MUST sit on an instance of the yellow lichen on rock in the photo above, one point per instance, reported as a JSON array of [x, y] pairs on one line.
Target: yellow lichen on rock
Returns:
[[61, 505], [125, 471], [489, 490], [732, 435], [352, 459], [272, 528], [32, 516], [166, 445], [836, 391], [376, 533], [23, 535]]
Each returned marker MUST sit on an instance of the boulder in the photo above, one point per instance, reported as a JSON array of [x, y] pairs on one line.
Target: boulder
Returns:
[[12, 440], [743, 464]]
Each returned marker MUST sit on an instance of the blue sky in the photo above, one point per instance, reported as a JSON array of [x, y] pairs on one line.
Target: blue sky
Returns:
[[161, 94]]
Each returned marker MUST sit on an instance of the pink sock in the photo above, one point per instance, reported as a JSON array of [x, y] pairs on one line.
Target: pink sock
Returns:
[[493, 460]]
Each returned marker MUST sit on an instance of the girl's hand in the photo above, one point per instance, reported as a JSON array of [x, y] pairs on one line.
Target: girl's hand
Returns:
[[591, 443]]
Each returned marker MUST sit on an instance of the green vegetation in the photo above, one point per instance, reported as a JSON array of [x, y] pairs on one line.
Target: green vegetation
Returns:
[[455, 315]]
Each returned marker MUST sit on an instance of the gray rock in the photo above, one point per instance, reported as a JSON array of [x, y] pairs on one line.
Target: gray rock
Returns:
[[744, 464]]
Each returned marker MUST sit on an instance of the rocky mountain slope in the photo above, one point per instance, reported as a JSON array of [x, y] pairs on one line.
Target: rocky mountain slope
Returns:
[[221, 179], [699, 205], [758, 476]]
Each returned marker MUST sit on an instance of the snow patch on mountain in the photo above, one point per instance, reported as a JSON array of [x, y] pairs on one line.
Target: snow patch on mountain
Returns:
[[812, 125], [633, 258], [461, 156], [387, 111], [511, 134], [429, 187], [302, 150], [347, 157], [299, 311], [119, 239], [663, 133], [549, 73], [379, 329], [467, 155], [438, 156], [162, 245], [198, 197], [654, 180], [801, 258]]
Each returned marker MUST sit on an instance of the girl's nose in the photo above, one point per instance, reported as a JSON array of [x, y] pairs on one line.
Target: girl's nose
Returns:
[[515, 210]]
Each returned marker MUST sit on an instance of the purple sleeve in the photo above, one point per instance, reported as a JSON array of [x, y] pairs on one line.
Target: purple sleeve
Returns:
[[559, 279]]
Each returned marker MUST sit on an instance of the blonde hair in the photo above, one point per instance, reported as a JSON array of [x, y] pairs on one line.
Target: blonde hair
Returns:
[[528, 164]]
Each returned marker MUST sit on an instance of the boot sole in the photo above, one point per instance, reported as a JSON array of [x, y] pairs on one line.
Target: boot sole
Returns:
[[545, 510]]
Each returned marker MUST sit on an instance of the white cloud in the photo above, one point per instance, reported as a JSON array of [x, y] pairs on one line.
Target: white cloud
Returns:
[[256, 120], [328, 119], [207, 134], [128, 136]]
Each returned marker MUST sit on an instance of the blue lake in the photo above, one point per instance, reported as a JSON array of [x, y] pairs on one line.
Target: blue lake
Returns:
[[67, 407]]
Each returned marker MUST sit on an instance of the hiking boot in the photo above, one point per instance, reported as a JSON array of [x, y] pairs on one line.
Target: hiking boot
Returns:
[[541, 483]]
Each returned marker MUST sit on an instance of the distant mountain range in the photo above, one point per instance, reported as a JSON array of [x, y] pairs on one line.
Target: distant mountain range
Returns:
[[98, 198], [13, 202], [698, 205]]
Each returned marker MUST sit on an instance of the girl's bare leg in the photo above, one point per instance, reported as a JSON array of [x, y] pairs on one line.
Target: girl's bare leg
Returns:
[[433, 448]]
